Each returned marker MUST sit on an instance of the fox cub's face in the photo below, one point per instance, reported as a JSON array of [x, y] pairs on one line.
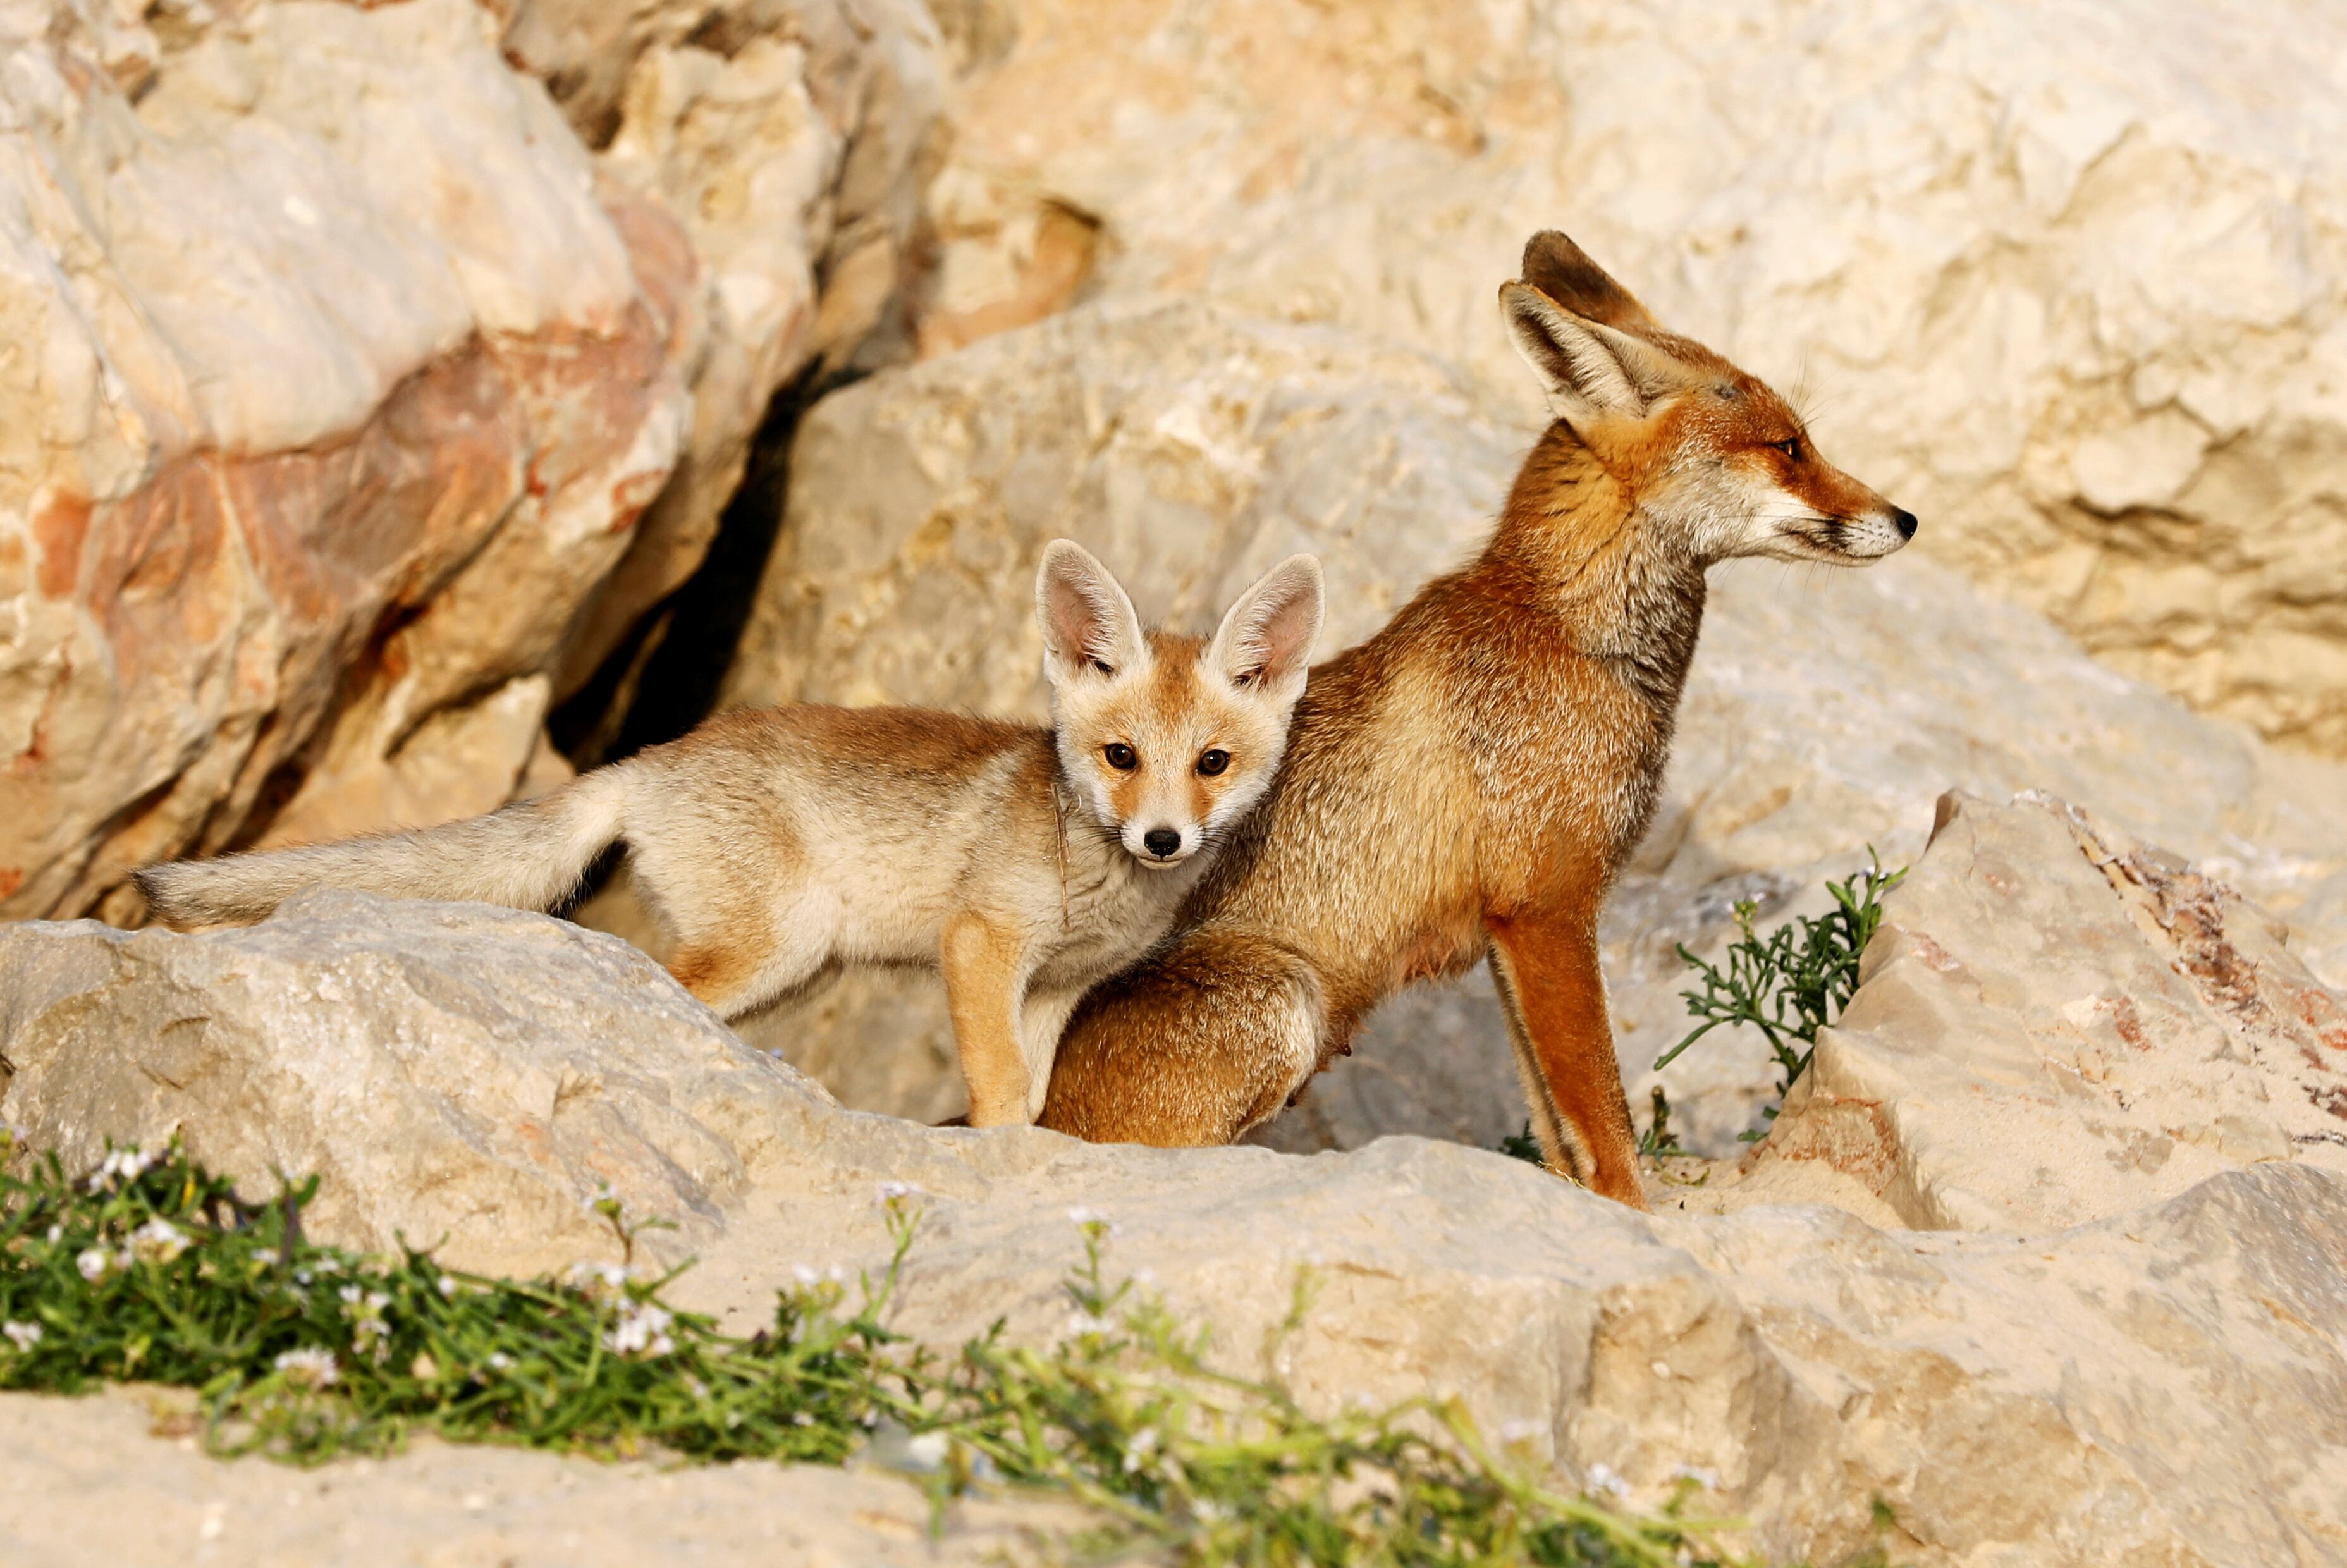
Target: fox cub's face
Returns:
[[1713, 456], [1168, 741]]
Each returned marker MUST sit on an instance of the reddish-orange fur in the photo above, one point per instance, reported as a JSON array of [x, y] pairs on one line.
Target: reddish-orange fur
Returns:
[[1470, 780]]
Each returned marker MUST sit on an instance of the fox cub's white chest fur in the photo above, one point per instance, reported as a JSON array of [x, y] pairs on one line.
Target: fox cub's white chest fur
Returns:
[[1026, 864]]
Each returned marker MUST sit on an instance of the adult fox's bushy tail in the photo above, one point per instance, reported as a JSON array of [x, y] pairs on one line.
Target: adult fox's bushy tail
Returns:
[[530, 856]]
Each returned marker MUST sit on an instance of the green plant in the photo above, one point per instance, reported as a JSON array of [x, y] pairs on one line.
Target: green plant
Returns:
[[1522, 1146], [1793, 981], [1657, 1142], [150, 1268]]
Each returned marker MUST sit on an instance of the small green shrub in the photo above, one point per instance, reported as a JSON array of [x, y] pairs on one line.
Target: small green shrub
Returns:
[[1793, 981], [152, 1268]]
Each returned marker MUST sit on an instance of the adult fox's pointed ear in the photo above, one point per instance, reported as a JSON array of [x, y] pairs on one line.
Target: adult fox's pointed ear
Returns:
[[1562, 271], [1087, 622], [1591, 372], [1266, 641]]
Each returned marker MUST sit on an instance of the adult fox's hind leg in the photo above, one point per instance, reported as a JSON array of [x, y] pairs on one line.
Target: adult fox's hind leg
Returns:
[[1190, 1050]]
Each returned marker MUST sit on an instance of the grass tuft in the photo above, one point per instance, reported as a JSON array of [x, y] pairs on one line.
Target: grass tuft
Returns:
[[151, 1268]]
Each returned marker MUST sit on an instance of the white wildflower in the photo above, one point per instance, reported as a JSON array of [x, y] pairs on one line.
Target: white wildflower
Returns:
[[94, 1261], [124, 1164], [446, 1285], [369, 1331], [641, 1329], [57, 1234], [24, 1335], [308, 1367], [1088, 1218], [1141, 1449], [1083, 1322], [897, 1192], [1522, 1429], [1603, 1478], [499, 1361], [158, 1241], [1702, 1475], [927, 1451], [598, 1281], [266, 1256], [807, 1278]]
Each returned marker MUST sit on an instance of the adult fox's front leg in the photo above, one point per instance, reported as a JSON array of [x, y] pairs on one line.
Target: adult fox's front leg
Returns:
[[1545, 963]]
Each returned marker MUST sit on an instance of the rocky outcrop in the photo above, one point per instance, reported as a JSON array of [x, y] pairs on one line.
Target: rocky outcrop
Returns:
[[341, 378], [787, 138], [357, 406], [457, 1075], [2055, 1025], [1193, 446], [2165, 1384], [2065, 279]]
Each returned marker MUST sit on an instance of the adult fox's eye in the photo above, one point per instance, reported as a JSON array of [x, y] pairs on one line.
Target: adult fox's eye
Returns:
[[1121, 757], [1211, 762], [1791, 449]]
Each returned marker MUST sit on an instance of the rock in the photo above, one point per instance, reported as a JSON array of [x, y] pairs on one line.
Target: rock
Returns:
[[368, 408], [350, 378], [1191, 448], [457, 1075], [2007, 1400], [786, 137], [114, 1487], [2067, 279], [2054, 1026], [2166, 1384]]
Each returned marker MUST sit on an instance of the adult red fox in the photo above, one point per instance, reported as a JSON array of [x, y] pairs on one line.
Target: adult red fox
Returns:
[[1469, 781]]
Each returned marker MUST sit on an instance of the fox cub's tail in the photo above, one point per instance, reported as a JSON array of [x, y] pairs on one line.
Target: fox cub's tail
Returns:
[[526, 857]]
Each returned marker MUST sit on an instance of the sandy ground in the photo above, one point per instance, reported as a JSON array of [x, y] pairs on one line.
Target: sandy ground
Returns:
[[116, 1481]]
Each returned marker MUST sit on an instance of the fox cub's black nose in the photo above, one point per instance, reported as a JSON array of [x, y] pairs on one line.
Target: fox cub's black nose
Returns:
[[1161, 841], [1906, 521]]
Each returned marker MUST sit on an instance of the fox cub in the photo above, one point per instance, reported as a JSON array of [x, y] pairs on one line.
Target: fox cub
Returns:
[[1026, 864]]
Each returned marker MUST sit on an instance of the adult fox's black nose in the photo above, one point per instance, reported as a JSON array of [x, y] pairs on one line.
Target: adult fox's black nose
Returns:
[[1160, 841], [1906, 521]]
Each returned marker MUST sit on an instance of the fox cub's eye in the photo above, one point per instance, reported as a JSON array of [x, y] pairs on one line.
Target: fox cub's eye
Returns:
[[1121, 757], [1211, 762], [1791, 449]]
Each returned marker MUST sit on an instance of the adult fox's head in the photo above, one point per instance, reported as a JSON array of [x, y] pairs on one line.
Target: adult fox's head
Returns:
[[1169, 740], [1710, 455]]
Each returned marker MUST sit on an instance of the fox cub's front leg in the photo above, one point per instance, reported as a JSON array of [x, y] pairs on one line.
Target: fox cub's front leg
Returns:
[[985, 969]]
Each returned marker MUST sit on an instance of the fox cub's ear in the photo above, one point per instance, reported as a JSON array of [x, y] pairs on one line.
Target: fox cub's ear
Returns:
[[1087, 622], [1266, 641]]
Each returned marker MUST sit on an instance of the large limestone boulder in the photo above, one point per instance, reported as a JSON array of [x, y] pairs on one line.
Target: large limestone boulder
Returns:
[[1193, 446], [2065, 279], [360, 406], [2055, 1025], [341, 379], [2166, 1384], [457, 1075]]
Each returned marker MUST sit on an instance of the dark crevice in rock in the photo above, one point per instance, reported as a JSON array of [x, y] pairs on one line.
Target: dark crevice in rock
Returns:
[[664, 677]]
